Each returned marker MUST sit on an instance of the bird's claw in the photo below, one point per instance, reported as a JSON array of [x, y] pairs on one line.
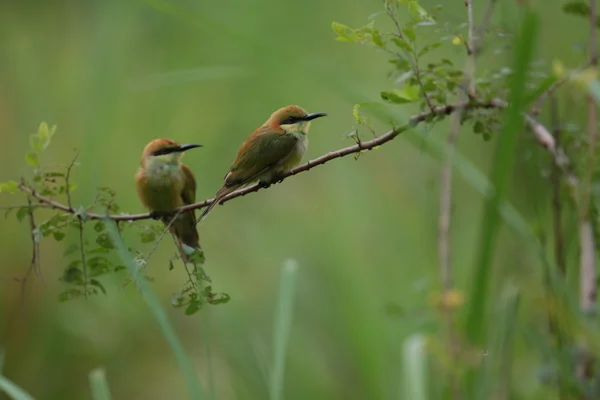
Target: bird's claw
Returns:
[[264, 184]]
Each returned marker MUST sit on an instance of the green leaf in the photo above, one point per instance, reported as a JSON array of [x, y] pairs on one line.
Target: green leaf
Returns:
[[196, 255], [580, 8], [409, 33], [104, 240], [403, 45], [70, 294], [73, 247], [99, 226], [22, 213], [58, 235], [401, 63], [219, 298], [395, 97], [377, 38], [95, 282], [344, 33], [429, 48], [32, 158], [478, 127], [193, 307], [417, 12], [11, 187], [72, 274], [147, 237], [54, 175], [356, 114], [98, 384]]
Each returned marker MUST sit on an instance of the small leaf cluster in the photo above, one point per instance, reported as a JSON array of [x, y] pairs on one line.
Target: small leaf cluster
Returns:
[[197, 291]]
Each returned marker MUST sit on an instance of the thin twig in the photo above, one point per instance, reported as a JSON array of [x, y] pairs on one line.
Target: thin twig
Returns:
[[480, 30], [67, 177], [445, 213], [439, 111], [470, 69], [83, 259], [34, 265], [25, 206], [162, 235], [555, 178], [81, 224]]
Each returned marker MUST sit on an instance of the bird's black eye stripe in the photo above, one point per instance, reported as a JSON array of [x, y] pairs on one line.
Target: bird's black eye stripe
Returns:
[[163, 151], [290, 120]]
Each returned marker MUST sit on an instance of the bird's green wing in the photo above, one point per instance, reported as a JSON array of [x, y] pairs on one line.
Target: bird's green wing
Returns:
[[259, 154], [188, 193]]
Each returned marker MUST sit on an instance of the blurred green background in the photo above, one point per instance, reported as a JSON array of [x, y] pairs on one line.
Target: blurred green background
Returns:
[[114, 75]]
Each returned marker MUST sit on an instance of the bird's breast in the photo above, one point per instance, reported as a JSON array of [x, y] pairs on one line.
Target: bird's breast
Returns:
[[160, 187], [294, 158]]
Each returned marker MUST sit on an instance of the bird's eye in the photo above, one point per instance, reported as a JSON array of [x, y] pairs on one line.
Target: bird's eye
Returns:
[[289, 121]]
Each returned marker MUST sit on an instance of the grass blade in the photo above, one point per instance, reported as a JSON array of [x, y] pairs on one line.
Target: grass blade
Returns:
[[500, 177], [283, 323], [159, 313], [415, 368], [12, 390], [98, 384]]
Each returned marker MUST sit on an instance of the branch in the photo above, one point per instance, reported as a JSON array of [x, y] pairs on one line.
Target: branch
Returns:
[[34, 266], [415, 120], [587, 246]]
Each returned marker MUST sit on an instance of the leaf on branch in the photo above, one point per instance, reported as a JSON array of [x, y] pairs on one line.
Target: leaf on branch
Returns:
[[344, 33], [22, 213], [395, 97], [409, 33], [11, 187], [193, 307], [95, 282], [104, 240], [403, 45], [147, 237], [429, 48], [32, 158], [58, 235], [73, 247], [580, 8], [377, 40], [219, 298]]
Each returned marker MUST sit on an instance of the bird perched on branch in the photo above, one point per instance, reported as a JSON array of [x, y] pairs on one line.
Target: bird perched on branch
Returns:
[[163, 184], [273, 149]]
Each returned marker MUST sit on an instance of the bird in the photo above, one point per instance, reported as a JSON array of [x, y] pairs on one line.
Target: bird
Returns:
[[163, 184], [274, 148]]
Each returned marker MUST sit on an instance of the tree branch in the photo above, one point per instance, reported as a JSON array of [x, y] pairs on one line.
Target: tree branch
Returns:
[[415, 120], [587, 245]]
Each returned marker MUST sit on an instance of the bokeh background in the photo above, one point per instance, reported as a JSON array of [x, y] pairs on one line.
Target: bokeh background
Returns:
[[114, 75]]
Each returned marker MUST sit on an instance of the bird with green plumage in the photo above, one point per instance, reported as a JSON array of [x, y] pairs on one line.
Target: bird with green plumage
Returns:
[[274, 148]]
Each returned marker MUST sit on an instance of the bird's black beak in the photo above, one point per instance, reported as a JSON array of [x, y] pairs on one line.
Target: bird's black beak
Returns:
[[185, 147], [312, 116]]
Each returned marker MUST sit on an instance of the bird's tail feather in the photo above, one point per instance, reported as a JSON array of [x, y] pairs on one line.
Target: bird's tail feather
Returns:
[[224, 191], [185, 232]]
